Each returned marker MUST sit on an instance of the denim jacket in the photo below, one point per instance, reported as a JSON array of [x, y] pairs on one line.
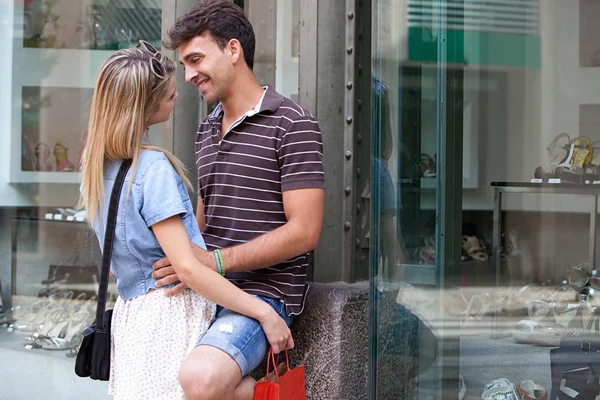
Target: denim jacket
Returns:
[[157, 193]]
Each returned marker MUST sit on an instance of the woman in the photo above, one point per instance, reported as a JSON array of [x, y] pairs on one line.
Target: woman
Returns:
[[152, 333]]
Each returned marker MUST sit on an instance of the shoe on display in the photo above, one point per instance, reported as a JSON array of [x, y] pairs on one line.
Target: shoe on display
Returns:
[[62, 161], [472, 247], [557, 153], [428, 166], [42, 158], [570, 174], [529, 390], [579, 275], [500, 389]]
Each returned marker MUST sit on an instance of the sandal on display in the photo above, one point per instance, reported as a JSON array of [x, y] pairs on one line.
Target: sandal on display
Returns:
[[566, 305], [55, 322], [548, 334], [592, 294], [595, 279], [73, 335], [572, 170], [500, 389], [478, 307], [579, 275], [42, 157], [523, 331], [428, 166], [580, 152], [529, 390], [472, 248], [62, 160], [538, 309], [557, 153], [34, 317], [538, 333], [591, 172]]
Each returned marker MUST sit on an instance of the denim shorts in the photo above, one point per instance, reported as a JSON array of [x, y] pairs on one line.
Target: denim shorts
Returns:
[[242, 337]]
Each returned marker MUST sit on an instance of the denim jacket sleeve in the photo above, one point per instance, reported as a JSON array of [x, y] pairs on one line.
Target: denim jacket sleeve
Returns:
[[159, 195]]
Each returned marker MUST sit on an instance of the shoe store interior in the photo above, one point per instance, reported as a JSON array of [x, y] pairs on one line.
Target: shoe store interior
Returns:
[[526, 278]]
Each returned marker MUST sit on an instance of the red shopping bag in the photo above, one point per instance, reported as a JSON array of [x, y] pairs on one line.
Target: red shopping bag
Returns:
[[283, 383]]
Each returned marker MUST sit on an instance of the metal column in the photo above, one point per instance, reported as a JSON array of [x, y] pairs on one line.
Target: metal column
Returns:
[[178, 134]]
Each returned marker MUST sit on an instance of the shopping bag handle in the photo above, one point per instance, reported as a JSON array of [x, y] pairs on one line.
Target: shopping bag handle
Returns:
[[271, 359]]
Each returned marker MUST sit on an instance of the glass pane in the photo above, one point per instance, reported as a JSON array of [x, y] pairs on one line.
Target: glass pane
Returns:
[[405, 263], [49, 259], [508, 113]]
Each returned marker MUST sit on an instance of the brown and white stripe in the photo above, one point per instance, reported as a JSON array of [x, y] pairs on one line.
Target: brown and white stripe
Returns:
[[241, 178]]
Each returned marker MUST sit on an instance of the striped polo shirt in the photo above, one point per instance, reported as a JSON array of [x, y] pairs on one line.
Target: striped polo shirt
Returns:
[[275, 147]]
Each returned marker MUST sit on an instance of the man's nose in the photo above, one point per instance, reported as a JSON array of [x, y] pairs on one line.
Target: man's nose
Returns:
[[190, 74]]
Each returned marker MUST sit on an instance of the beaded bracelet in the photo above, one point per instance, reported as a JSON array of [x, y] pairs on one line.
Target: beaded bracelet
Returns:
[[219, 270], [220, 263]]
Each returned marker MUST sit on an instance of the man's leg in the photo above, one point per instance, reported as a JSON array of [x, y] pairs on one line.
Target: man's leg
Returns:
[[233, 346]]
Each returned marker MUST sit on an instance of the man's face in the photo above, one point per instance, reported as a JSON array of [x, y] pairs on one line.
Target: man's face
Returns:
[[208, 67]]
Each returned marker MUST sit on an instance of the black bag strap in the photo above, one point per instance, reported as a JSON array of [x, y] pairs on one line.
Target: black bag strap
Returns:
[[109, 235]]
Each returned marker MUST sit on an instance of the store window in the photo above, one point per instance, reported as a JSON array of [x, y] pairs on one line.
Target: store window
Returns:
[[49, 258], [493, 158], [49, 268]]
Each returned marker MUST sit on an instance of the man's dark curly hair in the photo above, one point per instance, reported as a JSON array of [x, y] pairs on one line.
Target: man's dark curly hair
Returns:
[[222, 20]]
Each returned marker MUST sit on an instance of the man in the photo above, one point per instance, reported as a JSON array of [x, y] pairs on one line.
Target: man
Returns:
[[260, 195]]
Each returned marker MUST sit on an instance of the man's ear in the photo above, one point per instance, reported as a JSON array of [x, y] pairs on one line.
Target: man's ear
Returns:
[[234, 48]]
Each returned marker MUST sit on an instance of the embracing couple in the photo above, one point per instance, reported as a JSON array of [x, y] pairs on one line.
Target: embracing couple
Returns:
[[202, 297]]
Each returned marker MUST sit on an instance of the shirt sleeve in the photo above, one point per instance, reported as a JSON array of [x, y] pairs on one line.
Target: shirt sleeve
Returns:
[[159, 193], [301, 155]]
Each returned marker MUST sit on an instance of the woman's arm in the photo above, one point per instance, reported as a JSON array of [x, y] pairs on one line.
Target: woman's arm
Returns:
[[173, 239]]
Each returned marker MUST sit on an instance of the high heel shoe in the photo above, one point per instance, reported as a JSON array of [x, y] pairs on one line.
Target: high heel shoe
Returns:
[[72, 336], [62, 161], [42, 157]]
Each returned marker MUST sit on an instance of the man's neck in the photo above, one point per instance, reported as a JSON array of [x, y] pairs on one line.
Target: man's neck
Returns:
[[246, 93]]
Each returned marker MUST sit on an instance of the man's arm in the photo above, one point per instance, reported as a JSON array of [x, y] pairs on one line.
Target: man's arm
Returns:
[[300, 234], [200, 214]]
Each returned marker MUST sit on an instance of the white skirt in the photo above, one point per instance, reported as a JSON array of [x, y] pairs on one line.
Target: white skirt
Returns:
[[151, 336]]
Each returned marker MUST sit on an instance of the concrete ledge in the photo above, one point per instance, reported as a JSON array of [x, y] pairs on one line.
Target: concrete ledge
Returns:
[[332, 341]]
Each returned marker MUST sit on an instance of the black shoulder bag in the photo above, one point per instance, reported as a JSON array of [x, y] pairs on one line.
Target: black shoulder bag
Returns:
[[93, 358], [575, 364]]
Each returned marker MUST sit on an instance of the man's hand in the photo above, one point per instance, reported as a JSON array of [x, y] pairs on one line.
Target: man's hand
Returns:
[[165, 273]]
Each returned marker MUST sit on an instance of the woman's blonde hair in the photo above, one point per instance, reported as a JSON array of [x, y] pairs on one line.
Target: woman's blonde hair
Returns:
[[126, 95]]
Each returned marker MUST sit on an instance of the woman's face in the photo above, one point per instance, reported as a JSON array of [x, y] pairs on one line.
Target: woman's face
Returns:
[[165, 107]]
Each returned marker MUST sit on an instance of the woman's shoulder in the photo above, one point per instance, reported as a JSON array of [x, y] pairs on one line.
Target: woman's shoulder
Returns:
[[150, 161], [150, 156], [153, 164]]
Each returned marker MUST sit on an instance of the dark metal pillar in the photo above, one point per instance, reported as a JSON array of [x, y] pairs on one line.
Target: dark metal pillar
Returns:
[[323, 89]]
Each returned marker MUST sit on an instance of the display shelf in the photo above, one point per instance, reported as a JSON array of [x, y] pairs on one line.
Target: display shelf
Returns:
[[45, 177], [424, 183], [75, 68]]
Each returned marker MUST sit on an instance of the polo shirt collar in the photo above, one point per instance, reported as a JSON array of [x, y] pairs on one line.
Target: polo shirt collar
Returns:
[[271, 101]]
